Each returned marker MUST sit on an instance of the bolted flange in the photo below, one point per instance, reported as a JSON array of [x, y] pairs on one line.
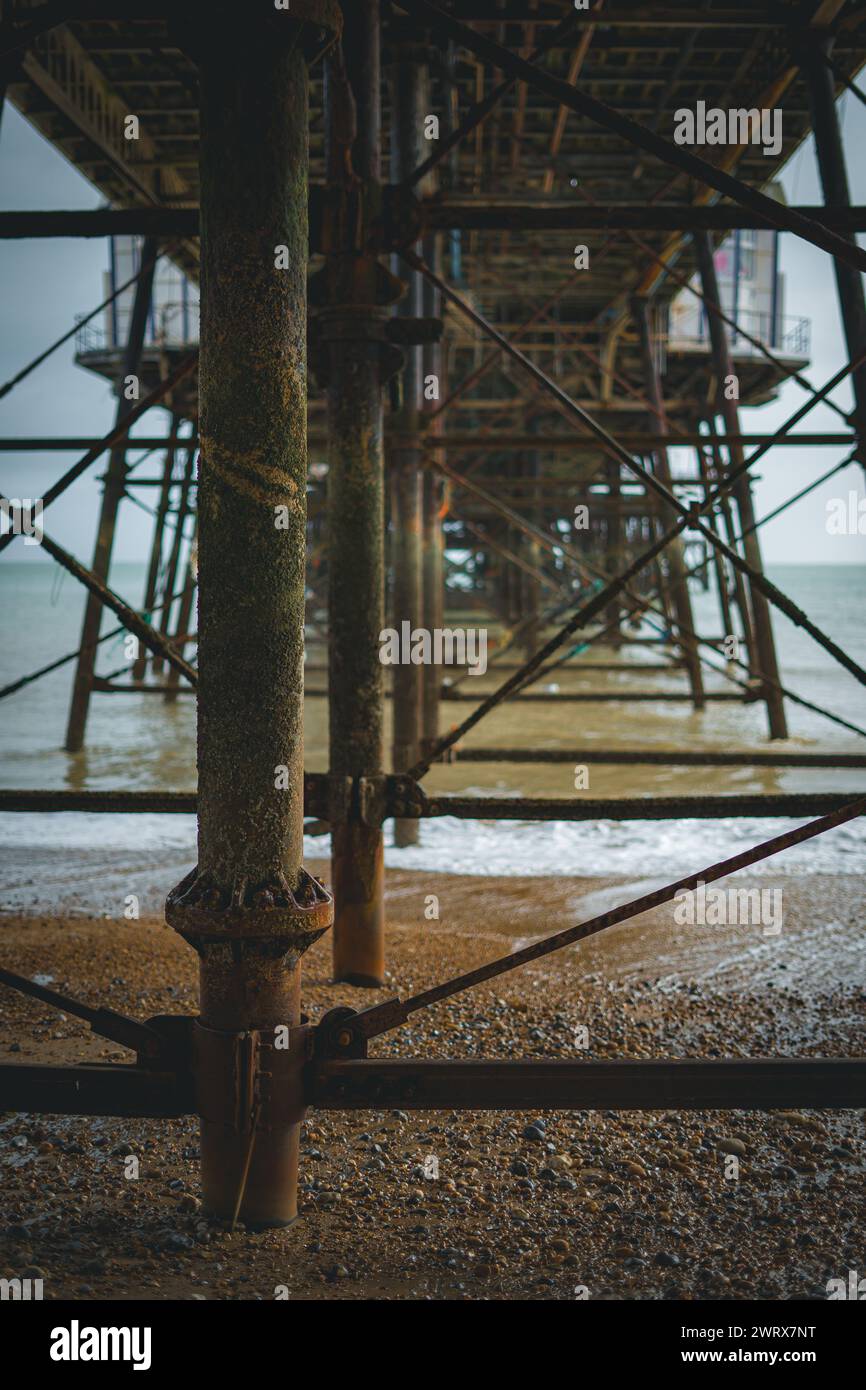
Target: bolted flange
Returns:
[[282, 919], [363, 323]]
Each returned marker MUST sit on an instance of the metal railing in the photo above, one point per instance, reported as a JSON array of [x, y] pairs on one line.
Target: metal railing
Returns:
[[171, 324], [790, 335]]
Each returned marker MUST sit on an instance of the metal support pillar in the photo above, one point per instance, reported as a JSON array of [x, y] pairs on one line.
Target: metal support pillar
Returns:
[[249, 908], [764, 654], [171, 572], [814, 52], [187, 600], [680, 597], [715, 557], [115, 480], [432, 539], [152, 581], [615, 553], [740, 593], [407, 104], [530, 585], [351, 329]]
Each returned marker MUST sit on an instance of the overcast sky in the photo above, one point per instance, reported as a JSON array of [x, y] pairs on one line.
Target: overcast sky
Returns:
[[44, 284]]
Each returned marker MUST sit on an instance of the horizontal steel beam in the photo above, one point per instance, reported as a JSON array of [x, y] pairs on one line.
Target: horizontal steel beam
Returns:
[[531, 808], [98, 1089], [437, 215], [628, 14], [758, 804], [492, 443], [629, 757], [597, 697], [544, 215], [752, 1084], [463, 443], [75, 444], [105, 802], [415, 1084], [143, 221]]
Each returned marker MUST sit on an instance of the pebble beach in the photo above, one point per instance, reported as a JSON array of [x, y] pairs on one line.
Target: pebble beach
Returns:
[[449, 1206]]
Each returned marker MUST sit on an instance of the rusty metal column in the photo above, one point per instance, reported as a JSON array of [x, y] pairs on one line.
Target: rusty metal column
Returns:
[[156, 545], [249, 908], [433, 542], [187, 599], [531, 550], [813, 53], [764, 656], [740, 594], [180, 515], [115, 481], [680, 597], [716, 558], [615, 551], [351, 330], [407, 124]]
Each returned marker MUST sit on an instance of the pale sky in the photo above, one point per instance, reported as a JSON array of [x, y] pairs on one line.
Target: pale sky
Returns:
[[44, 284]]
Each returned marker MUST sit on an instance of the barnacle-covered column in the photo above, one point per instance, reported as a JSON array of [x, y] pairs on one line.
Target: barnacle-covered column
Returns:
[[249, 907]]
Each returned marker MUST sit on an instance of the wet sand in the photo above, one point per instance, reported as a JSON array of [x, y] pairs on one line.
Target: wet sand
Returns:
[[627, 1206]]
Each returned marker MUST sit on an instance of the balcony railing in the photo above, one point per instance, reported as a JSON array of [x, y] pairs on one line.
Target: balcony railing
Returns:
[[789, 336], [172, 324]]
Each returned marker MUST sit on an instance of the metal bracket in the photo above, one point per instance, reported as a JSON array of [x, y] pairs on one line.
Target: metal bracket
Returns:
[[372, 800], [335, 1036], [243, 1081]]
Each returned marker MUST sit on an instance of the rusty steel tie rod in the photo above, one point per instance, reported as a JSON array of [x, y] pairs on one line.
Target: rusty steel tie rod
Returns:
[[343, 1032], [118, 1028]]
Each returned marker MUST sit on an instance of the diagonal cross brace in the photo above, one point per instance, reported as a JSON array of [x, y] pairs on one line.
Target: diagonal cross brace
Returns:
[[108, 1024], [350, 1033]]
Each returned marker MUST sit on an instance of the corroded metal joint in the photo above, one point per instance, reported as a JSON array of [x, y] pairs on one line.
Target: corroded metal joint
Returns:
[[335, 1035], [364, 323], [354, 323], [250, 1096], [406, 798], [362, 799], [281, 919], [244, 1081]]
